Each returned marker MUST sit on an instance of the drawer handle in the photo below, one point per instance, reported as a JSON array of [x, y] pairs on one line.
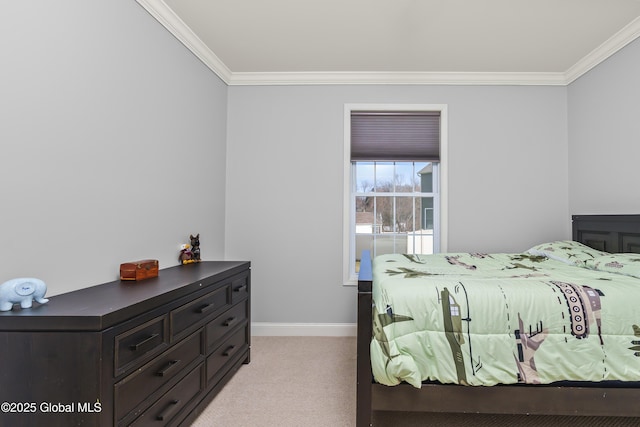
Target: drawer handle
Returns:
[[230, 321], [229, 350], [168, 367], [145, 342], [164, 415], [205, 307], [242, 288]]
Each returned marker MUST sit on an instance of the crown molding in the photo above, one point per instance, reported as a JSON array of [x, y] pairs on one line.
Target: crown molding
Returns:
[[616, 42], [176, 26], [396, 78]]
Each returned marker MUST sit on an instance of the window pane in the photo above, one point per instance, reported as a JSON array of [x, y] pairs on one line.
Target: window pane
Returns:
[[363, 242], [390, 244], [364, 176], [420, 242], [404, 177], [426, 211], [385, 219], [424, 176], [364, 215], [384, 176], [417, 205], [404, 214]]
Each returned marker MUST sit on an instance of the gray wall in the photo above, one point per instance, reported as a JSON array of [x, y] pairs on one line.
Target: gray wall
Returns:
[[604, 136], [114, 147], [507, 182], [112, 143]]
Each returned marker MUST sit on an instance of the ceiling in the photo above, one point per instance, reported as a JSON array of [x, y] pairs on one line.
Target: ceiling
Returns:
[[400, 41]]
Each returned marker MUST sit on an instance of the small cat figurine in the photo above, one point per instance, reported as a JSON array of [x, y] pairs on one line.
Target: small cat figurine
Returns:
[[195, 247]]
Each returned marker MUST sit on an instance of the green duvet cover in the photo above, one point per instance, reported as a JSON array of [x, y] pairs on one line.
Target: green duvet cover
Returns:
[[486, 319]]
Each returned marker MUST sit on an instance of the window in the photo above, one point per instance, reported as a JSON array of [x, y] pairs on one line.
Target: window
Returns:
[[394, 200], [394, 207]]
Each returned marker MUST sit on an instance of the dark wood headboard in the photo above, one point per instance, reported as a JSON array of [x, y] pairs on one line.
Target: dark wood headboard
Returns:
[[609, 233]]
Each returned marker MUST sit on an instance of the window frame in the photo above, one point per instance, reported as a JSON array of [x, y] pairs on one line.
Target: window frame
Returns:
[[348, 224]]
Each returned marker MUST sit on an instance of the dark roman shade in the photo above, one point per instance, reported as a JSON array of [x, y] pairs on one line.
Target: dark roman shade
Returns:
[[395, 135]]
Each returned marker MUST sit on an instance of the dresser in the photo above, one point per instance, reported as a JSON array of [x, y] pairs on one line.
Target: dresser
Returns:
[[147, 353]]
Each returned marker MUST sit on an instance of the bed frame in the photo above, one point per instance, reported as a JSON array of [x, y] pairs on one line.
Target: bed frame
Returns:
[[611, 233]]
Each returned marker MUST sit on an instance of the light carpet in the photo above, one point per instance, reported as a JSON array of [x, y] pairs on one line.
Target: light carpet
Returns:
[[311, 382]]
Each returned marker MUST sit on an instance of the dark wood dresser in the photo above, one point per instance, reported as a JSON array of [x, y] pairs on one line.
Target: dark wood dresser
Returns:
[[147, 353]]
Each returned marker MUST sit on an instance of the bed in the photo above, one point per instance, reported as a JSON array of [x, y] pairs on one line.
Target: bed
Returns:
[[521, 381]]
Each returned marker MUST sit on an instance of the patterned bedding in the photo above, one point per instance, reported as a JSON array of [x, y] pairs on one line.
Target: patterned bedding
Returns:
[[559, 312]]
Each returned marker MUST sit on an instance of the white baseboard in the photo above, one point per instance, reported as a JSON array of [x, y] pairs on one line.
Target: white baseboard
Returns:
[[267, 329]]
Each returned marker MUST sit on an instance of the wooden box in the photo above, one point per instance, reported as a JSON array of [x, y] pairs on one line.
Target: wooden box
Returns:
[[139, 270]]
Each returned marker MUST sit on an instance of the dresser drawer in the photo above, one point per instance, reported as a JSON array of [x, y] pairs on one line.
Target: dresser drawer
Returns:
[[133, 345], [132, 390], [236, 344], [224, 324], [169, 405], [201, 308], [239, 289]]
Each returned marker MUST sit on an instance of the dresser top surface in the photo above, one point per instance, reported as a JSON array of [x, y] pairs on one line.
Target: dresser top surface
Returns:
[[98, 307]]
